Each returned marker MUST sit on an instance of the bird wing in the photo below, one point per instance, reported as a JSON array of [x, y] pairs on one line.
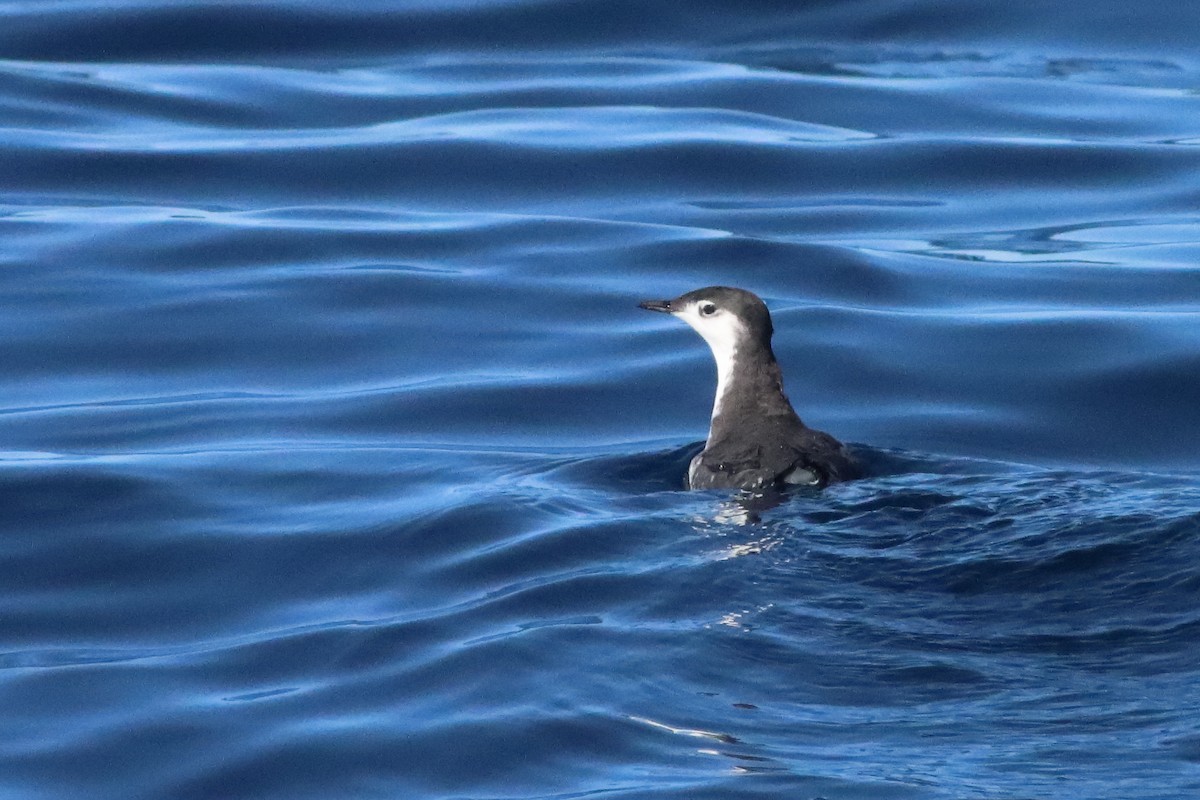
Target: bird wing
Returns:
[[803, 456], [727, 468]]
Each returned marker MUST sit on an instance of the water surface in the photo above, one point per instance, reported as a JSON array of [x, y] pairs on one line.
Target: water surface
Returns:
[[337, 461]]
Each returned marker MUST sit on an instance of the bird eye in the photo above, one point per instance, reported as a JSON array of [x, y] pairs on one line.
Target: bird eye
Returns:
[[708, 309]]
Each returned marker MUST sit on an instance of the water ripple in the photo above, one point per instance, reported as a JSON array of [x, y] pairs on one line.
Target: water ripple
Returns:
[[337, 460]]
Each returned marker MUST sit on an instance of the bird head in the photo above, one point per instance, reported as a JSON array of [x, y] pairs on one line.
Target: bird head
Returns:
[[728, 319]]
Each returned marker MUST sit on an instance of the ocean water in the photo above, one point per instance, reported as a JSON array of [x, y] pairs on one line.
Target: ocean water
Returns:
[[336, 460]]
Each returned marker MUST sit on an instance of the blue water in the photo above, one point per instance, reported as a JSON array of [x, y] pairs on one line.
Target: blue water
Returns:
[[337, 462]]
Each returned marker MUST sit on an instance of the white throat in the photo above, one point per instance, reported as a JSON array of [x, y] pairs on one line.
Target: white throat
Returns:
[[726, 359], [723, 332]]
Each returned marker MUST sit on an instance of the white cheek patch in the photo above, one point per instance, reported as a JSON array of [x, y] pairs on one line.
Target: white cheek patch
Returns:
[[723, 332]]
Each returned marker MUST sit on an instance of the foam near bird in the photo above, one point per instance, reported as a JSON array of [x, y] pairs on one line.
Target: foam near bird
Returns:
[[755, 440]]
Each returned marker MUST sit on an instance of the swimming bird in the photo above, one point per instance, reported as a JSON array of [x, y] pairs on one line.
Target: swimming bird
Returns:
[[755, 440]]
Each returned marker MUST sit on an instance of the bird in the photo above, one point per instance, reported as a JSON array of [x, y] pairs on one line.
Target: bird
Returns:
[[756, 441]]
